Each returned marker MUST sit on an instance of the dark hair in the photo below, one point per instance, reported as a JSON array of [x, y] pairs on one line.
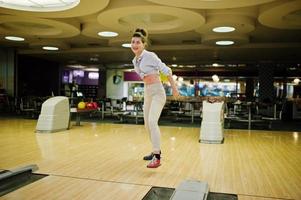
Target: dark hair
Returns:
[[141, 33]]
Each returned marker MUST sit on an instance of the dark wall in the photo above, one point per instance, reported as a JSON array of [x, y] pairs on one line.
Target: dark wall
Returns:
[[37, 76], [266, 83], [102, 84], [249, 89]]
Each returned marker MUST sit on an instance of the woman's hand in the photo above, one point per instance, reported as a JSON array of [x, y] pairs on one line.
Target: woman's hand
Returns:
[[175, 93]]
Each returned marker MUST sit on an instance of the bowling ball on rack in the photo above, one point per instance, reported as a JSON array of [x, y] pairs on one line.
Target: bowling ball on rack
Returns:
[[163, 77], [90, 105], [95, 105], [81, 105]]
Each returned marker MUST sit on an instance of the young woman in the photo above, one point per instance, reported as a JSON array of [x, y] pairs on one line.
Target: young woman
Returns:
[[148, 66]]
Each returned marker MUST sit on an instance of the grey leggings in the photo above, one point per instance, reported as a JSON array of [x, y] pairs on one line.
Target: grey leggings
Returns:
[[154, 100]]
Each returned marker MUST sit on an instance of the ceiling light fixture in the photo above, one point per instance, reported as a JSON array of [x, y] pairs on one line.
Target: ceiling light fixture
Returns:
[[215, 78], [174, 77], [107, 34], [224, 42], [77, 66], [39, 5], [94, 59], [223, 29], [126, 45], [92, 69], [296, 81], [49, 48], [14, 38]]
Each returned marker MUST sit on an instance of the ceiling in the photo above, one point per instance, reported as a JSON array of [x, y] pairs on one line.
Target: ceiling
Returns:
[[179, 31]]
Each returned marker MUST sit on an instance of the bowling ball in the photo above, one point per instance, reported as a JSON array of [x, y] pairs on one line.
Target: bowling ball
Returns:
[[163, 77], [95, 104], [81, 105], [90, 105]]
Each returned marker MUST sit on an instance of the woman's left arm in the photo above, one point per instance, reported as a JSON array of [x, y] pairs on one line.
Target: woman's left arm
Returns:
[[175, 91]]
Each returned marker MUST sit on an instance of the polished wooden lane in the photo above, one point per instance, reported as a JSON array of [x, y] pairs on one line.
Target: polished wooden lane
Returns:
[[66, 188], [253, 164]]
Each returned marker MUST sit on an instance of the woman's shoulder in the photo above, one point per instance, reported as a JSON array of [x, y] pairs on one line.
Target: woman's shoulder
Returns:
[[150, 53]]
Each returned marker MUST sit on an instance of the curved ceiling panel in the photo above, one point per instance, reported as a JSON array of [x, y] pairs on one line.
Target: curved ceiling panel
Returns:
[[119, 42], [213, 4], [238, 39], [85, 7], [40, 6], [53, 43], [36, 27], [242, 24], [282, 15], [90, 30], [156, 19]]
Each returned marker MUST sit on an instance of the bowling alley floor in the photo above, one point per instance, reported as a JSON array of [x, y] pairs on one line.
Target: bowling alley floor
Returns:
[[104, 161]]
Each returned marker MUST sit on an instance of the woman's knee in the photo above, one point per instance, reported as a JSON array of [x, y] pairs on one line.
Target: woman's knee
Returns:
[[152, 122]]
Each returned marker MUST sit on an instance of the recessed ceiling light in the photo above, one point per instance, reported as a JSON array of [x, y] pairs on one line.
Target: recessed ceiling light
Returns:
[[224, 42], [296, 81], [126, 45], [77, 66], [39, 5], [92, 69], [14, 38], [94, 59], [107, 34], [48, 48], [174, 77], [215, 78], [215, 64], [223, 29], [174, 65]]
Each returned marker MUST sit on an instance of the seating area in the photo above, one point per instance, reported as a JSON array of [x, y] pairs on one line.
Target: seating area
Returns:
[[184, 111]]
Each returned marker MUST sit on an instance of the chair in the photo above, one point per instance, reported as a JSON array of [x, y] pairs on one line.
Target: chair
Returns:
[[212, 126], [106, 107], [272, 112], [28, 106]]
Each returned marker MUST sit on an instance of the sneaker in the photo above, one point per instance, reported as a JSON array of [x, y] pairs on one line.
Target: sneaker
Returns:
[[148, 157], [154, 163]]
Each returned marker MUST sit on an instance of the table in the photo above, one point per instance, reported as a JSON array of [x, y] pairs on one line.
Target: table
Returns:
[[191, 101], [248, 110], [79, 112]]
